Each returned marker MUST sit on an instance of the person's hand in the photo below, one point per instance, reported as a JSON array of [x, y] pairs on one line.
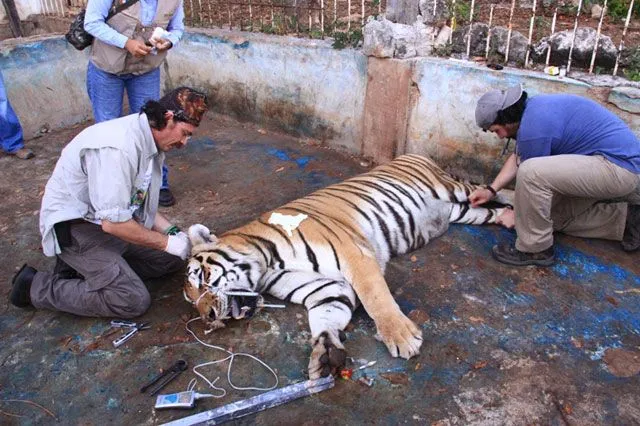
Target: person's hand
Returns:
[[179, 245], [507, 219], [163, 44], [480, 196], [137, 48]]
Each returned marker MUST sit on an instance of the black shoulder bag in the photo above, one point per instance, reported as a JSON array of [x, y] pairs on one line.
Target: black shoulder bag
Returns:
[[78, 37]]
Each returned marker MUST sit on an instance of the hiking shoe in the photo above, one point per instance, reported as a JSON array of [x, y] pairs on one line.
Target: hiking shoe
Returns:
[[21, 283], [631, 236], [23, 154], [166, 198], [512, 256]]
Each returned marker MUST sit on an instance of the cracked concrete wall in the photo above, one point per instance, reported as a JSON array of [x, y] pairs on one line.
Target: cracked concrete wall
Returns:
[[370, 106], [304, 87]]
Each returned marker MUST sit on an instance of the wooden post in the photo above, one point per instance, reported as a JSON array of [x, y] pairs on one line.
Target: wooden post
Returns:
[[14, 18]]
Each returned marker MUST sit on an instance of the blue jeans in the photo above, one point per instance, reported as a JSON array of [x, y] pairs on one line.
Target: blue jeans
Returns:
[[106, 92], [10, 129]]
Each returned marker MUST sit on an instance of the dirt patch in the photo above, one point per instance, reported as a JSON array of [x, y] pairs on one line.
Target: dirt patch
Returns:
[[622, 363]]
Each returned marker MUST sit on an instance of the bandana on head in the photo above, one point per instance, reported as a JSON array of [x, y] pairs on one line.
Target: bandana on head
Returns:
[[187, 104]]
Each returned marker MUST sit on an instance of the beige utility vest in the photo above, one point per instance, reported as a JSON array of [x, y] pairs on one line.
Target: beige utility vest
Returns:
[[114, 60]]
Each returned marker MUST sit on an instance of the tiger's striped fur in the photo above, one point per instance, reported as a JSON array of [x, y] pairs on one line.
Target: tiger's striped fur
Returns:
[[336, 256]]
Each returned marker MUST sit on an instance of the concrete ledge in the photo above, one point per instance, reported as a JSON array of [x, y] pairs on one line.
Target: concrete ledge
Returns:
[[378, 107]]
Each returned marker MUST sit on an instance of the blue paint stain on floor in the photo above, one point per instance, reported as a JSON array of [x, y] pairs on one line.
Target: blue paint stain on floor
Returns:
[[290, 155]]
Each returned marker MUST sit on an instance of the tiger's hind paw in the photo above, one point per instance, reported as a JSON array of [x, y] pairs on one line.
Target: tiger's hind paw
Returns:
[[328, 355]]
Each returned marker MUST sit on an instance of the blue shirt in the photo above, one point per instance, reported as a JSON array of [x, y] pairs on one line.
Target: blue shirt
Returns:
[[97, 11], [569, 124]]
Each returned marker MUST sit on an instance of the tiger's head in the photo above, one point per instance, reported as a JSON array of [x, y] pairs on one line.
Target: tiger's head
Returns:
[[221, 280]]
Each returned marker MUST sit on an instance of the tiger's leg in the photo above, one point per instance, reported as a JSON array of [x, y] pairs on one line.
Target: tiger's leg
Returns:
[[464, 213], [330, 304], [401, 336], [327, 322]]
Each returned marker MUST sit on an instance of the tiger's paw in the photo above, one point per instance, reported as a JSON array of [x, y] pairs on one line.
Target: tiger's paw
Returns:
[[328, 355], [401, 336]]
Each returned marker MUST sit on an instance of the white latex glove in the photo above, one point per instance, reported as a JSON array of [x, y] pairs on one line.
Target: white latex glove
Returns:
[[179, 245]]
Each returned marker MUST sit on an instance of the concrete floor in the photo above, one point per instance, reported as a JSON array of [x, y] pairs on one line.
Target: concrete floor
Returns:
[[502, 345]]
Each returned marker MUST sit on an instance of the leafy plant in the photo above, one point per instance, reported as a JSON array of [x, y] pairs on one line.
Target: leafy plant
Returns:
[[444, 51], [632, 70], [342, 39], [618, 9]]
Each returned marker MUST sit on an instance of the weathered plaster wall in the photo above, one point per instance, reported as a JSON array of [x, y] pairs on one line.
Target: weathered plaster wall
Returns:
[[375, 107], [46, 82], [442, 119], [304, 87], [25, 8]]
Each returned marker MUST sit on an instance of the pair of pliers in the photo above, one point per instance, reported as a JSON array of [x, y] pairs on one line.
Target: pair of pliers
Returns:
[[133, 329]]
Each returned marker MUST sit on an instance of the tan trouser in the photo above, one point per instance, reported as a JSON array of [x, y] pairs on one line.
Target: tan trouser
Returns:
[[562, 193], [112, 271]]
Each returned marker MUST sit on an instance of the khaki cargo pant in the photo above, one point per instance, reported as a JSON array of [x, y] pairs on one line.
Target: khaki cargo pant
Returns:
[[564, 193], [113, 271]]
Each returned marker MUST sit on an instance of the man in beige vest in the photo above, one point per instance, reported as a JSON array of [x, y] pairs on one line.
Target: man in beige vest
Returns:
[[126, 54], [100, 218]]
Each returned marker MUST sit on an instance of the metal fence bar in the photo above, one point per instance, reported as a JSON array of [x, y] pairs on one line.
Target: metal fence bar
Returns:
[[453, 20], [335, 15], [349, 15], [533, 17], [595, 45], [486, 50], [473, 3], [624, 33], [573, 39], [506, 53], [322, 19], [362, 17], [553, 30], [435, 2]]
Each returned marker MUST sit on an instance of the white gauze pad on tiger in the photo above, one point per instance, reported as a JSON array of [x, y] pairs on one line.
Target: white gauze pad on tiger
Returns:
[[288, 223]]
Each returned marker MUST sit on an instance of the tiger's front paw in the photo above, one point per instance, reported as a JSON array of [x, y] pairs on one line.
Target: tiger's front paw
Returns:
[[328, 355], [401, 336]]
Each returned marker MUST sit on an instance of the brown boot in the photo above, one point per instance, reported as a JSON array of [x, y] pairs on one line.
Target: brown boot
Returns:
[[23, 154], [631, 236]]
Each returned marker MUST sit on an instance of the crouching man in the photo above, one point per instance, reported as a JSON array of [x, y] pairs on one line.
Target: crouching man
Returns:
[[99, 214]]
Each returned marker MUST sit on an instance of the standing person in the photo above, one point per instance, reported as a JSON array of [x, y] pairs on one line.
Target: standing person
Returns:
[[572, 155], [125, 54], [10, 129], [99, 214]]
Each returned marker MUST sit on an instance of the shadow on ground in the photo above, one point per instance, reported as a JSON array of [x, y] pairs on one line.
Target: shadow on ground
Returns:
[[502, 345]]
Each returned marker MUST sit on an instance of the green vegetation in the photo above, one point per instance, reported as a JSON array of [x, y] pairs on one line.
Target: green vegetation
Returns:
[[342, 39], [632, 70]]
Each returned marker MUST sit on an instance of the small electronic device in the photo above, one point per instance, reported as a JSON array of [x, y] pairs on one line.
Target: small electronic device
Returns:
[[186, 399]]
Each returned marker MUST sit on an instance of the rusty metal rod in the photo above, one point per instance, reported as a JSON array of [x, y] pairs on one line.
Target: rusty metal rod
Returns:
[[322, 19], [486, 50], [553, 30], [533, 17], [573, 39], [348, 15], [595, 45], [453, 20], [624, 33], [473, 3], [506, 53]]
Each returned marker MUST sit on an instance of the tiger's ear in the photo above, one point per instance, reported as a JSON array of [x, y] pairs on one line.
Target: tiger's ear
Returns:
[[200, 234]]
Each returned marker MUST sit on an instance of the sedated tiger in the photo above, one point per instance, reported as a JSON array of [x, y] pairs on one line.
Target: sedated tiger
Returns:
[[328, 251]]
